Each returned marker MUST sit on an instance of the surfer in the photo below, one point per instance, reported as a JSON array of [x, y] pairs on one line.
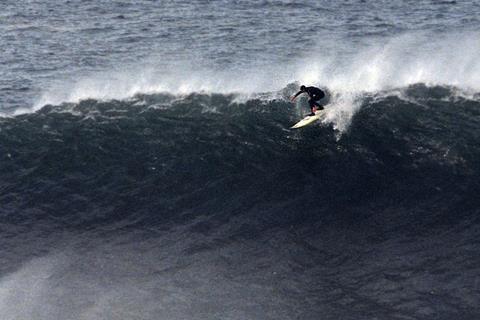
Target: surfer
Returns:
[[315, 95]]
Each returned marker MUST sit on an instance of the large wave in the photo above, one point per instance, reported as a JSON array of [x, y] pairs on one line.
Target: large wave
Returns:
[[189, 150], [378, 67], [141, 206]]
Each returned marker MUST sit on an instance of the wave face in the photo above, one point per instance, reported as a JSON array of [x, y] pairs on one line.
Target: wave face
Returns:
[[204, 205]]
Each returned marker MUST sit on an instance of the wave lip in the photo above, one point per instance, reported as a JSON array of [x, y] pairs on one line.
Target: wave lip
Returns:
[[385, 64]]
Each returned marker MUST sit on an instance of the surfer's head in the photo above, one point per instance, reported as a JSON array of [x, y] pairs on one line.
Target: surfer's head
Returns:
[[303, 88]]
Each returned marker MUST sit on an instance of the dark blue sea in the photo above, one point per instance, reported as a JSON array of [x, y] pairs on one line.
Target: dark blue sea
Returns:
[[148, 170]]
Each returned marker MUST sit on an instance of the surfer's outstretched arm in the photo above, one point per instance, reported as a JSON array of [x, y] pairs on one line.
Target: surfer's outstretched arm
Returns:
[[296, 95]]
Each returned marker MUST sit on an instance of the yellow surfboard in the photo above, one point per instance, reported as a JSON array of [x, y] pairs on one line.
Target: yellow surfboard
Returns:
[[308, 120]]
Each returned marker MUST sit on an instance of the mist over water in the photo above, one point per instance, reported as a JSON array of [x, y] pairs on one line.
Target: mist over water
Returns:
[[147, 168], [389, 63]]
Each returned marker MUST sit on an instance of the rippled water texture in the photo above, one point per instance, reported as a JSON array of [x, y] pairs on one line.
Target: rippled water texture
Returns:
[[147, 168]]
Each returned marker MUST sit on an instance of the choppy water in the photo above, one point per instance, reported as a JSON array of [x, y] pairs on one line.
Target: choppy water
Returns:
[[147, 170]]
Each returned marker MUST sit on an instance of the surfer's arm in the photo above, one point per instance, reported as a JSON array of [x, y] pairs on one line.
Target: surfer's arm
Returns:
[[296, 95]]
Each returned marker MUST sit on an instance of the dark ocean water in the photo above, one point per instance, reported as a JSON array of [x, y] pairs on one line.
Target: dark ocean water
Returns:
[[147, 168]]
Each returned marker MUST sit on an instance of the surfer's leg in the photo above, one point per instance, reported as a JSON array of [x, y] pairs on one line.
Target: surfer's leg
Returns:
[[318, 105], [314, 106]]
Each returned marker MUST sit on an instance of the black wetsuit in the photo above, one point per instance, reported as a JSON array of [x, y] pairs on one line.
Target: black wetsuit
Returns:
[[315, 95]]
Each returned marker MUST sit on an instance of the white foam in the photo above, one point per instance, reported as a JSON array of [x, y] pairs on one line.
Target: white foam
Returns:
[[433, 59], [402, 61], [396, 62], [449, 60]]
